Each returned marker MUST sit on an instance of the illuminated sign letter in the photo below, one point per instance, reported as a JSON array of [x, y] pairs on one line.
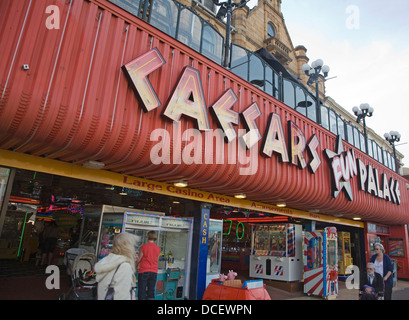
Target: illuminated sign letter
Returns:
[[344, 168], [312, 148], [378, 185], [250, 115], [337, 171], [371, 183], [297, 145], [392, 189], [225, 116], [340, 170], [385, 188], [352, 163], [188, 99], [363, 175], [138, 70], [397, 192], [274, 139]]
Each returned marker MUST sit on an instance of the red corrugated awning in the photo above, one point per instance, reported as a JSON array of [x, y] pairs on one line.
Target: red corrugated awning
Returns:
[[75, 103]]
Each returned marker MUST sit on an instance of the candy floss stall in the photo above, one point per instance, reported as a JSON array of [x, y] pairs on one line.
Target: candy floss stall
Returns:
[[321, 263], [276, 252]]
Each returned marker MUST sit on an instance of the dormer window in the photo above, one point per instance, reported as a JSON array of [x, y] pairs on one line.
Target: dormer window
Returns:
[[271, 31]]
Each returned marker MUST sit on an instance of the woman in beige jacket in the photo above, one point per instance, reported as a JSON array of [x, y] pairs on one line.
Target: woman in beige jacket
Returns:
[[118, 267]]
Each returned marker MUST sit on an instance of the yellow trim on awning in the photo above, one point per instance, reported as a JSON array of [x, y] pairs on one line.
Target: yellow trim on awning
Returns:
[[34, 163]]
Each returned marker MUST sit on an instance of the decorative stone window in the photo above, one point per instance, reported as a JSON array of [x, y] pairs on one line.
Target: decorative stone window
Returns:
[[271, 31]]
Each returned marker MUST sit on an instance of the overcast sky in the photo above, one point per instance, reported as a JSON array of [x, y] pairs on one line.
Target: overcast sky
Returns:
[[366, 45]]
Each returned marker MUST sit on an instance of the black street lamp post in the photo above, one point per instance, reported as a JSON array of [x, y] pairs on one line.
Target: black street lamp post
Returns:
[[314, 73], [362, 112], [392, 137], [226, 9]]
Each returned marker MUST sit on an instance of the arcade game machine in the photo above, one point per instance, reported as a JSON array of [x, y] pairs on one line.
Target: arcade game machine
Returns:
[[344, 253], [110, 225], [99, 225], [236, 246], [91, 220], [174, 240], [320, 263], [214, 251], [276, 252]]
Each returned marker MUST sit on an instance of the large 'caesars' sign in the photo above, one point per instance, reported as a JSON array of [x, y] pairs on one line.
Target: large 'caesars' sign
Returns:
[[187, 99]]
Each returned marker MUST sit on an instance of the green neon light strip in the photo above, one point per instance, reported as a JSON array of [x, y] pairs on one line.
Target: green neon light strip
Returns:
[[242, 231], [231, 222], [22, 235]]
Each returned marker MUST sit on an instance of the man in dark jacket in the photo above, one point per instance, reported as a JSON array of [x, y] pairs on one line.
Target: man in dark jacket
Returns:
[[371, 283]]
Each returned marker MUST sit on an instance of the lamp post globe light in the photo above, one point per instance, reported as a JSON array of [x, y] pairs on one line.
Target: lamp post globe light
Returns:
[[364, 110], [314, 74], [392, 137]]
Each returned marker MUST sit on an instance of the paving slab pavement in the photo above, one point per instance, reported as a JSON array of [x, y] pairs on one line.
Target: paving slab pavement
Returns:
[[402, 290]]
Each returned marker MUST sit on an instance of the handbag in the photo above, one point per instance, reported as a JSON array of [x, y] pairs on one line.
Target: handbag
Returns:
[[111, 290]]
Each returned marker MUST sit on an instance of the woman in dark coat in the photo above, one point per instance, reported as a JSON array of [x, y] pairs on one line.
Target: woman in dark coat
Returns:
[[383, 265]]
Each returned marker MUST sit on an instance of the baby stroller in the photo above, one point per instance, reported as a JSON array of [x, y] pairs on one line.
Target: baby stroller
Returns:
[[69, 258], [84, 285]]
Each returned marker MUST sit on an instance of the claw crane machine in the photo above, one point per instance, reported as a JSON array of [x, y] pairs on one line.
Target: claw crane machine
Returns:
[[321, 263], [174, 240], [344, 253], [276, 252]]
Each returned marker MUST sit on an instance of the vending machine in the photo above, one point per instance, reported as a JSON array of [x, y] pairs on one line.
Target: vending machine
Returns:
[[174, 241], [344, 253], [321, 263], [276, 252]]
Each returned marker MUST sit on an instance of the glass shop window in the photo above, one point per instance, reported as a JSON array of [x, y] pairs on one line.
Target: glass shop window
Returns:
[[333, 122], [391, 161], [356, 138], [311, 108], [370, 151], [350, 134], [289, 93], [385, 158], [268, 85], [380, 158], [256, 72], [212, 44], [276, 85], [164, 15], [239, 62], [341, 127], [375, 152], [324, 117], [362, 139], [190, 29], [132, 6], [301, 101]]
